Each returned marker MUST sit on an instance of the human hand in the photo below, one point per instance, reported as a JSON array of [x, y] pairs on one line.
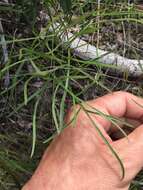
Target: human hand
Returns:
[[79, 159]]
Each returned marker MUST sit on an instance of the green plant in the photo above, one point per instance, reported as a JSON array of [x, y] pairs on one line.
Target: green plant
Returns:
[[47, 78]]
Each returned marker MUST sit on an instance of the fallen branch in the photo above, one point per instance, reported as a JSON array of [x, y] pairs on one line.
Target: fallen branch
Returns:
[[87, 51]]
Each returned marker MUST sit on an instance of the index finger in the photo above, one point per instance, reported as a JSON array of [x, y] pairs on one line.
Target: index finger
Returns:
[[118, 104]]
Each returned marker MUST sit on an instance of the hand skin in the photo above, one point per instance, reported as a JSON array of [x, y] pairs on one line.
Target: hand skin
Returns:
[[78, 159]]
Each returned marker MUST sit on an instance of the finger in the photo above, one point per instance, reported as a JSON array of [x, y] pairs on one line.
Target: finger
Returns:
[[131, 150], [118, 104]]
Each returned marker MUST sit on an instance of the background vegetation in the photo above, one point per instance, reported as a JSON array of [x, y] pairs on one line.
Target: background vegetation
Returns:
[[41, 78]]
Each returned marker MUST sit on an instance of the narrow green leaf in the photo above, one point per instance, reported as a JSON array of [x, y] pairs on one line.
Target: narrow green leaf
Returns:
[[62, 105], [26, 90], [34, 128], [54, 109], [107, 143]]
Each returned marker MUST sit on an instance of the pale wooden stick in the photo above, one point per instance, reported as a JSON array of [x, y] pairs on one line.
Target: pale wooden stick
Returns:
[[87, 51]]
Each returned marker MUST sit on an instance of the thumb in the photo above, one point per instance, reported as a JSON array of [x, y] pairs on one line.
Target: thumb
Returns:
[[131, 151]]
